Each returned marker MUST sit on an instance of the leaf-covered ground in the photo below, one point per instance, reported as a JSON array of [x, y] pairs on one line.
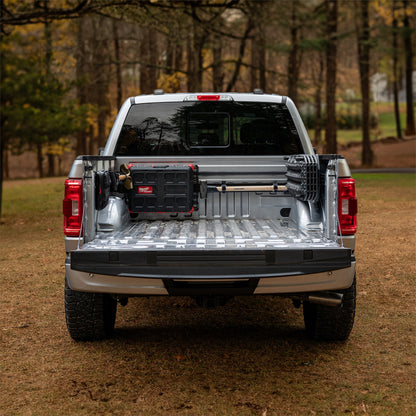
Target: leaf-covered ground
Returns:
[[170, 357]]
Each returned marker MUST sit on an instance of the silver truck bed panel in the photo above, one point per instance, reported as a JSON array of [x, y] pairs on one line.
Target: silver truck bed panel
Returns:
[[209, 235]]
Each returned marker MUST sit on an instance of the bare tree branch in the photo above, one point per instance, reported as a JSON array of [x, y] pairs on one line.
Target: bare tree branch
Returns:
[[38, 15]]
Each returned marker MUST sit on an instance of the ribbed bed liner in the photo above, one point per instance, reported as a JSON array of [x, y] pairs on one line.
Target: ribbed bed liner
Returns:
[[209, 235]]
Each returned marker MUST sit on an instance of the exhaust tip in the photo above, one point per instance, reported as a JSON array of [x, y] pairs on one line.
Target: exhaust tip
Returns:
[[326, 299]]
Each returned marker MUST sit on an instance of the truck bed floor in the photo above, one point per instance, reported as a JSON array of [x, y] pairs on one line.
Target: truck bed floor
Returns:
[[205, 234]]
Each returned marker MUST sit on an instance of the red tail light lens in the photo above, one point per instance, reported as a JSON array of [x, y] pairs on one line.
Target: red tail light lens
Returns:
[[208, 97], [72, 207], [347, 206]]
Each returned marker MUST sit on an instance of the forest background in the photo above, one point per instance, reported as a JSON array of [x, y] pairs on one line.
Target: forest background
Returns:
[[67, 65]]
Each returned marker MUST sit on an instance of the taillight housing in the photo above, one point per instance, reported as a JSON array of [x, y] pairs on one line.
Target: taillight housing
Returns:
[[72, 207], [208, 97], [347, 206]]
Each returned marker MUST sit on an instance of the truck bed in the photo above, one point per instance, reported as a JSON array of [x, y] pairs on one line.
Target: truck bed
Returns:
[[206, 234], [220, 248]]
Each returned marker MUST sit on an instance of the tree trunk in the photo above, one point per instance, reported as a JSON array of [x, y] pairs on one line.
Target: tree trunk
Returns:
[[262, 62], [2, 152], [318, 100], [198, 44], [364, 65], [81, 144], [48, 61], [5, 158], [118, 64], [293, 60], [177, 59], [240, 58], [144, 70], [169, 54], [189, 64], [153, 53], [217, 74], [101, 57], [90, 141], [258, 12], [331, 75], [3, 147], [407, 37], [148, 54], [258, 62], [195, 45], [40, 159], [395, 73], [254, 57], [101, 123], [51, 164]]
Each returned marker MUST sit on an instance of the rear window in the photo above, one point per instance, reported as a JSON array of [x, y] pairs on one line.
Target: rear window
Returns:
[[208, 128]]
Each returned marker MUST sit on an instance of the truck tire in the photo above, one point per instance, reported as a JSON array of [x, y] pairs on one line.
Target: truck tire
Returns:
[[330, 323], [89, 316]]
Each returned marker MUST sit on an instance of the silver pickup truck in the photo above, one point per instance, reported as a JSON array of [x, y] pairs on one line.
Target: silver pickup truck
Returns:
[[209, 196]]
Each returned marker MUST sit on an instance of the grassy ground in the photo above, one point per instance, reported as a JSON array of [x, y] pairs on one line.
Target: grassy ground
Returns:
[[386, 125], [169, 357]]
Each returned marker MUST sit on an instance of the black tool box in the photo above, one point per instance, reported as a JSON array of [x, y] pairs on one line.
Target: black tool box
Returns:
[[169, 188]]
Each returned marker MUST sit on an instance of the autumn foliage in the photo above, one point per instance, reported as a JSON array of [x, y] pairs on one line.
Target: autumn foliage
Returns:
[[67, 66]]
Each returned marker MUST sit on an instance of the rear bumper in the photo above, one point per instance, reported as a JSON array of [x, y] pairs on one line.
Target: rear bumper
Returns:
[[210, 264], [208, 273]]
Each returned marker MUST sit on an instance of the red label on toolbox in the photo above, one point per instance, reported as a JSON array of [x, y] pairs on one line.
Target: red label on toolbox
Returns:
[[145, 190]]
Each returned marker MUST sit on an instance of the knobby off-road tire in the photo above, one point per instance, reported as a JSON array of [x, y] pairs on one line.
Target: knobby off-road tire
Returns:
[[89, 316], [331, 323]]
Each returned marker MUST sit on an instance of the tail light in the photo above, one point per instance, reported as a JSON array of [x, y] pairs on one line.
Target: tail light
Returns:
[[209, 97], [72, 207], [347, 206]]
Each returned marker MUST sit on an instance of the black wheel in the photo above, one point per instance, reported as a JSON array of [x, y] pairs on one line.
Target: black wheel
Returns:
[[89, 316], [331, 323]]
